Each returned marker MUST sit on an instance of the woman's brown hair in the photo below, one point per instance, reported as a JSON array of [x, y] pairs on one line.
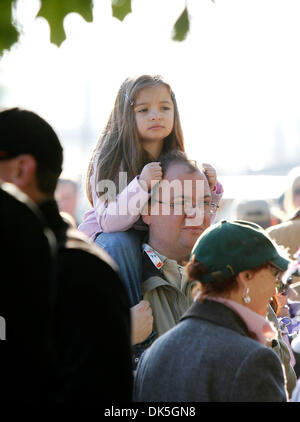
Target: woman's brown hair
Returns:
[[224, 285]]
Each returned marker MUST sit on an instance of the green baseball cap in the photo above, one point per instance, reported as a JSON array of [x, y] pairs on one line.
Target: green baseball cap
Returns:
[[229, 247]]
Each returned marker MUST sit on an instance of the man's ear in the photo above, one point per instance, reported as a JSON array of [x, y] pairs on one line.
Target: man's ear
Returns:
[[24, 171]]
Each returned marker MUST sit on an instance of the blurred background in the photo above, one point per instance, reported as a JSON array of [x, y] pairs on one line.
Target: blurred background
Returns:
[[235, 77]]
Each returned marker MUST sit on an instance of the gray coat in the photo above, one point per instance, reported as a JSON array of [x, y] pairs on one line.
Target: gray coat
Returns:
[[209, 357]]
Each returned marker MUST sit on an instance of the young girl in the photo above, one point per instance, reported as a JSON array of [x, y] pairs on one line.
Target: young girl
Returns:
[[143, 124]]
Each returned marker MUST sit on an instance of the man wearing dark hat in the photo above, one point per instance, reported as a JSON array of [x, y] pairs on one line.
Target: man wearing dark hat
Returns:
[[91, 326]]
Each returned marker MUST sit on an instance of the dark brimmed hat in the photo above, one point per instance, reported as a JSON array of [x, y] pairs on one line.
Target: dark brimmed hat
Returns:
[[229, 247], [24, 132]]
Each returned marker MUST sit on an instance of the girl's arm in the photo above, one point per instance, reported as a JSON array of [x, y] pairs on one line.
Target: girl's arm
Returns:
[[125, 209], [215, 187], [113, 213], [120, 214], [216, 195]]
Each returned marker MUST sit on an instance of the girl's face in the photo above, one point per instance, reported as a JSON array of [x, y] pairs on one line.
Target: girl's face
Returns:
[[154, 113]]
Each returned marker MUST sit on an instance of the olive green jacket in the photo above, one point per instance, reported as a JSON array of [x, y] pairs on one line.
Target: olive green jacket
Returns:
[[168, 300]]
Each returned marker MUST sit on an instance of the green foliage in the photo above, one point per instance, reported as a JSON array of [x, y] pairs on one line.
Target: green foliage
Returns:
[[121, 8], [181, 27], [8, 33], [54, 11]]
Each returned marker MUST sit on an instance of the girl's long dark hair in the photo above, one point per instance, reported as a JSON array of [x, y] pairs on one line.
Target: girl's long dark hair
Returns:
[[119, 146]]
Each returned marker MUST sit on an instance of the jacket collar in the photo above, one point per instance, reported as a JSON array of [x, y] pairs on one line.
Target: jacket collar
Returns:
[[217, 313]]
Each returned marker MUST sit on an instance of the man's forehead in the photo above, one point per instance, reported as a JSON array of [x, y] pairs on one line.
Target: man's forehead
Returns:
[[178, 189], [187, 179], [181, 171]]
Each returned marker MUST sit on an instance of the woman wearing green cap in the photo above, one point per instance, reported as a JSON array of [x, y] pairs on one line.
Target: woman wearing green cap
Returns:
[[221, 349]]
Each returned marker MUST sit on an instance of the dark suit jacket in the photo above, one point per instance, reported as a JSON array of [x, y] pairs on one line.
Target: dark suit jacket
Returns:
[[91, 325], [26, 254], [209, 357], [66, 335]]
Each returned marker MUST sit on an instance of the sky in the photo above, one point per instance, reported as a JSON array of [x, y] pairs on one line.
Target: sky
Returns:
[[235, 77]]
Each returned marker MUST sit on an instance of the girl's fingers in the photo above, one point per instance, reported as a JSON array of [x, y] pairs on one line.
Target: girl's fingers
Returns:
[[210, 172], [207, 168]]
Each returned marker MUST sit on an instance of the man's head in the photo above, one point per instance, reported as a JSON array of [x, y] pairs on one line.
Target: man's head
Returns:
[[257, 211], [66, 195], [180, 206], [30, 153]]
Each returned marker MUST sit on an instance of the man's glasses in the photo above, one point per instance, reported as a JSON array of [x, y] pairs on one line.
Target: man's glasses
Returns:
[[186, 207]]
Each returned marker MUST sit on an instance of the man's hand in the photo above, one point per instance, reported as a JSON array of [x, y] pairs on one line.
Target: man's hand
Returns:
[[141, 321]]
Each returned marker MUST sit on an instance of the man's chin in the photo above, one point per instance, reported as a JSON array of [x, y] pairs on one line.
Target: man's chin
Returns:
[[191, 234], [193, 230]]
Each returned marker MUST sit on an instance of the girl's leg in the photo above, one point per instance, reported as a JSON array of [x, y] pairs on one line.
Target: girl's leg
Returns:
[[125, 249]]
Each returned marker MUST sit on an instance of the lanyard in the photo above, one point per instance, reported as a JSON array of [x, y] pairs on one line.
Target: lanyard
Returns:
[[153, 256]]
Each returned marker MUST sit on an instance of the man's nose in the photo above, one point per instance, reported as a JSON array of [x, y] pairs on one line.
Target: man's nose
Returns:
[[197, 217]]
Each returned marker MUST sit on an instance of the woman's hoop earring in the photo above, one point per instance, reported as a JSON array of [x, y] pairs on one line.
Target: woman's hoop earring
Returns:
[[246, 297]]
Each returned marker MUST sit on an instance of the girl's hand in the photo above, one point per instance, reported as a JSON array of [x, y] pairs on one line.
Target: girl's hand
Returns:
[[211, 175], [151, 171]]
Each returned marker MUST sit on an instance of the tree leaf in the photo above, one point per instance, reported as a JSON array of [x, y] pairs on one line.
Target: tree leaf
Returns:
[[181, 26], [54, 11], [8, 33], [121, 8]]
